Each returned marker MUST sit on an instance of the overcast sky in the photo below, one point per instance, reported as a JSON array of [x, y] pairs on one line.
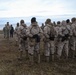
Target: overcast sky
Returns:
[[27, 8]]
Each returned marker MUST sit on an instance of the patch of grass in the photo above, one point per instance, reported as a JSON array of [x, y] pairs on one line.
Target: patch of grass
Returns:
[[10, 65]]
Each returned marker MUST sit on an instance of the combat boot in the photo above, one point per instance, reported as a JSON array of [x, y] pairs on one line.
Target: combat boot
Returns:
[[31, 60], [37, 57], [20, 56]]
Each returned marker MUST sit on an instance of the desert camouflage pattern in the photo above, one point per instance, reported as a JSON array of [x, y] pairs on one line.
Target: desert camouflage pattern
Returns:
[[33, 45], [23, 44], [49, 44], [63, 43]]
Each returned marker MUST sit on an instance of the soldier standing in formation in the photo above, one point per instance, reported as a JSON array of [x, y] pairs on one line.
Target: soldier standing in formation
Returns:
[[23, 44], [49, 33], [73, 37], [34, 32]]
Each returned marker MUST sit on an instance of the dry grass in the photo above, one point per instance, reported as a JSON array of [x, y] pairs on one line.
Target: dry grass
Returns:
[[10, 65]]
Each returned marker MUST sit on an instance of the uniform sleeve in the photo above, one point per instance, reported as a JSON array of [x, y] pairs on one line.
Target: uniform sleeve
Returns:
[[46, 32], [56, 31], [72, 29], [28, 32], [40, 32]]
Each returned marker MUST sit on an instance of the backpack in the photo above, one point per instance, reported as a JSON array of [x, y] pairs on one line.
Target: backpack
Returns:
[[36, 32], [52, 32]]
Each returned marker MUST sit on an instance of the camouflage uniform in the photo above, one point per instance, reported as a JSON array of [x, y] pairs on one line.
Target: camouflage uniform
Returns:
[[23, 41], [73, 38], [56, 38], [34, 32], [49, 40], [63, 39]]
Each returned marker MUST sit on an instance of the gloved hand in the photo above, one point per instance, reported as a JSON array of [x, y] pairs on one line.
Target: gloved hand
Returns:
[[66, 35], [24, 38], [51, 37], [63, 38], [37, 37]]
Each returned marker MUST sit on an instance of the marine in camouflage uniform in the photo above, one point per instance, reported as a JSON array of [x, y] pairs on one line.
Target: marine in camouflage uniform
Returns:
[[23, 41], [63, 39], [56, 38], [34, 32], [73, 38], [49, 33]]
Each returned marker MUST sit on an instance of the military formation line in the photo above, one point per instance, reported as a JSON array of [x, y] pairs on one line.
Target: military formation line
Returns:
[[57, 37]]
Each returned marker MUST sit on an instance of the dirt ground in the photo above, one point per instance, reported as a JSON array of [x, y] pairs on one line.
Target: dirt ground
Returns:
[[10, 65]]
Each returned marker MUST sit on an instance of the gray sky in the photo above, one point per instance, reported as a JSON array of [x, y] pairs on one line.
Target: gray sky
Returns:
[[27, 8]]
